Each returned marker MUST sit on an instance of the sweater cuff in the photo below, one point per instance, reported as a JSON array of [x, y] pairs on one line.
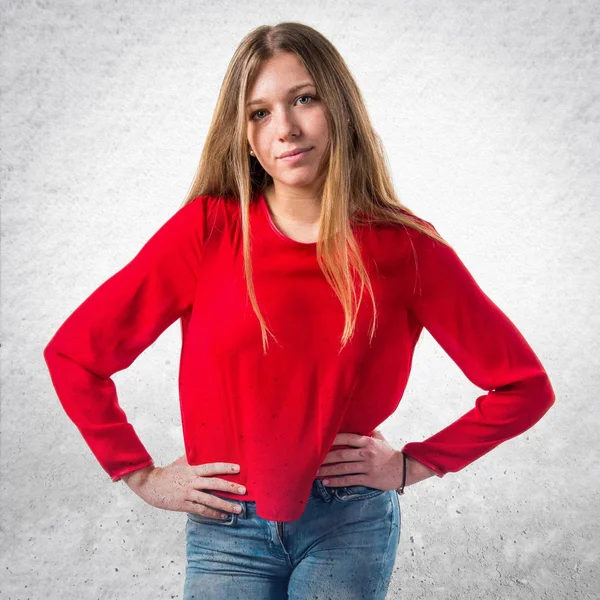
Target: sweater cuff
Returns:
[[423, 461], [117, 476]]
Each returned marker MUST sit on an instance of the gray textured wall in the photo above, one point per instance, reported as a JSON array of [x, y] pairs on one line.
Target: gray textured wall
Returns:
[[489, 114]]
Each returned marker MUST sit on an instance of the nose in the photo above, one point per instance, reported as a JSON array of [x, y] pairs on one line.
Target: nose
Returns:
[[285, 124]]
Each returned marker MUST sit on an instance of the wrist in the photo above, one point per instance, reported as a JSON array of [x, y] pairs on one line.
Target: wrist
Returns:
[[404, 458], [135, 478], [416, 471]]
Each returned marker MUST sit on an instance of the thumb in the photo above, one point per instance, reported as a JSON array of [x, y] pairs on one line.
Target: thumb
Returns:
[[377, 434]]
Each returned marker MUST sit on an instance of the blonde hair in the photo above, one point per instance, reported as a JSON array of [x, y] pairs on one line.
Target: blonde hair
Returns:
[[357, 187]]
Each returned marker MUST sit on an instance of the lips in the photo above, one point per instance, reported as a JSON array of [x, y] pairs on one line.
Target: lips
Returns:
[[293, 152]]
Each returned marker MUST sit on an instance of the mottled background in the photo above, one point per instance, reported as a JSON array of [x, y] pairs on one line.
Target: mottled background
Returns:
[[489, 113]]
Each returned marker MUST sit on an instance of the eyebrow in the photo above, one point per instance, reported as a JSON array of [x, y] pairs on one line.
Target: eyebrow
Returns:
[[290, 91]]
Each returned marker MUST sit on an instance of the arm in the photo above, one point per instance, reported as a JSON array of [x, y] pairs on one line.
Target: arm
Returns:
[[416, 471], [489, 350], [114, 325]]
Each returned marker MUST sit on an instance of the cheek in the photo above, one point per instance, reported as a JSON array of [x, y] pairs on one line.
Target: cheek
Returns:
[[262, 148], [261, 141], [321, 126]]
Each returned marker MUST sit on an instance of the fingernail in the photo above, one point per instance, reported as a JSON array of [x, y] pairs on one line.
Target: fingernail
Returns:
[[241, 490], [325, 481]]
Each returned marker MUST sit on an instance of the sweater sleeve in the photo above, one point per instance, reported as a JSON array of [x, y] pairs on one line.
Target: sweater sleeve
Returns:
[[489, 350], [114, 325]]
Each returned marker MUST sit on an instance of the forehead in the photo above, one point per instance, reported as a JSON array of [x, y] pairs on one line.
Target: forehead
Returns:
[[277, 75]]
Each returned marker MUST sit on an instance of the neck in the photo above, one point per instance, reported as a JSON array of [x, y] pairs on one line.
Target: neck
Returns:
[[294, 204]]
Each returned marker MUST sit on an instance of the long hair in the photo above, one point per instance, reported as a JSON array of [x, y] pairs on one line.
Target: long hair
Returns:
[[357, 187]]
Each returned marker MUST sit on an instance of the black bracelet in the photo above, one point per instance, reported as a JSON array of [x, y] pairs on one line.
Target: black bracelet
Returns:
[[400, 490]]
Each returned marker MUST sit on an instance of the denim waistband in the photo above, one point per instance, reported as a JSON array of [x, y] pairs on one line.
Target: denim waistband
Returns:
[[319, 490]]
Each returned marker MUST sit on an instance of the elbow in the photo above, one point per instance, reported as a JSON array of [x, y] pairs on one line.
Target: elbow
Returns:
[[50, 353], [543, 396], [53, 354], [548, 395], [519, 405]]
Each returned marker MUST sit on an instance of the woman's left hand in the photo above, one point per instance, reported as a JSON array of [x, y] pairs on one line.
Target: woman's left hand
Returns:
[[371, 462]]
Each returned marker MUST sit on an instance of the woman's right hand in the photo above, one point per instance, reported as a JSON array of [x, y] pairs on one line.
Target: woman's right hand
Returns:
[[179, 486]]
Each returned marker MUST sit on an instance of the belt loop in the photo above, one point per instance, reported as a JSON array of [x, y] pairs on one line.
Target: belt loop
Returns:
[[321, 490]]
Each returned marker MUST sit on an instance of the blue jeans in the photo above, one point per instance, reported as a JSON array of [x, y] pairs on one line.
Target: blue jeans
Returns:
[[343, 547]]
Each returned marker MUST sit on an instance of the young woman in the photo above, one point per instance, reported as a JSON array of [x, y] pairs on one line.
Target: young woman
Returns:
[[302, 285]]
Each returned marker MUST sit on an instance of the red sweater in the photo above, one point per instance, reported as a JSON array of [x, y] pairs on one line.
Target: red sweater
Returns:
[[277, 414]]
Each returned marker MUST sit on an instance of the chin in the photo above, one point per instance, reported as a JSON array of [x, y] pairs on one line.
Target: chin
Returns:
[[298, 181]]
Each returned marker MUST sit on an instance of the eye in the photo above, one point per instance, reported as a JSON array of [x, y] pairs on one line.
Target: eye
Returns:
[[305, 96], [253, 116]]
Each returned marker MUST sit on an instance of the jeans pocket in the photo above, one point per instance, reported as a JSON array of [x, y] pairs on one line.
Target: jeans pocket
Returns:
[[231, 520], [349, 493]]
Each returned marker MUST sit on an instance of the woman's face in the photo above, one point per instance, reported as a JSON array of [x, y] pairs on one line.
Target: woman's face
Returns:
[[288, 116]]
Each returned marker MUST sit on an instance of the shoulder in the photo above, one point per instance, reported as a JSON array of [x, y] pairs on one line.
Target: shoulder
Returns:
[[211, 205], [421, 235], [210, 213], [407, 238]]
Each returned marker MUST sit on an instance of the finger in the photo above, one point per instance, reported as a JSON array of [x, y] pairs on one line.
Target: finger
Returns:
[[351, 439], [377, 434], [345, 455], [342, 469], [347, 480], [218, 504], [216, 483], [203, 510], [216, 468]]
